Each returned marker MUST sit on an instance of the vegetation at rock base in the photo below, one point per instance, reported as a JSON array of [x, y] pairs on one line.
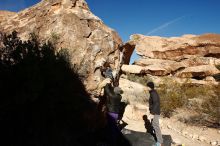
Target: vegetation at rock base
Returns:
[[217, 76], [202, 99], [175, 95], [138, 78], [43, 101], [218, 67], [135, 37], [211, 107]]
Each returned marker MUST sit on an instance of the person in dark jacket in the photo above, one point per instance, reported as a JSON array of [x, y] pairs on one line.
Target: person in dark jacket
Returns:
[[113, 100], [154, 108]]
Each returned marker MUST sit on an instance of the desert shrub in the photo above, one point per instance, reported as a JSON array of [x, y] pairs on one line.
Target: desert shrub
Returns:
[[206, 113], [217, 76], [218, 67], [171, 98], [135, 37], [192, 91], [54, 38], [175, 95], [211, 106]]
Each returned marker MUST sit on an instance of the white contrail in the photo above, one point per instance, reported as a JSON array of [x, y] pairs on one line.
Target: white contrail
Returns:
[[165, 25]]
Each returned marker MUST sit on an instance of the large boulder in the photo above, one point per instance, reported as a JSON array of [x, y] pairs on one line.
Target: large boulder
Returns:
[[151, 69], [5, 14], [189, 56], [175, 48], [201, 71], [133, 69], [166, 67], [133, 92], [71, 25]]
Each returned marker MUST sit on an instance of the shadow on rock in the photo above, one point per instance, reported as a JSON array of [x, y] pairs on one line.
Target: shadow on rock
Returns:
[[43, 101]]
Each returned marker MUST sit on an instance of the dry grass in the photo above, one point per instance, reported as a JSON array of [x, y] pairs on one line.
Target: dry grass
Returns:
[[174, 95], [211, 107]]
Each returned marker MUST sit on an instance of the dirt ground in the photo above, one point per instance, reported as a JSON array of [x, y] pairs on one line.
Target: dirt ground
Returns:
[[174, 132]]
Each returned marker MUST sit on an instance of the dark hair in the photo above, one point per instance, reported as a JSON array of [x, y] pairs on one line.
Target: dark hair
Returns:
[[151, 85]]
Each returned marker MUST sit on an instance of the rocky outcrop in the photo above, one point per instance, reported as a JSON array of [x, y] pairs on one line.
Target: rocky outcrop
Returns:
[[5, 14], [198, 71], [189, 56], [69, 24], [133, 92], [151, 69], [177, 48]]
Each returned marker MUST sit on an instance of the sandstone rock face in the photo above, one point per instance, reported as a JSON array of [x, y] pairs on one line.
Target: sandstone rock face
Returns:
[[176, 48], [133, 92], [134, 69], [198, 71], [69, 24], [151, 69], [5, 14], [190, 56]]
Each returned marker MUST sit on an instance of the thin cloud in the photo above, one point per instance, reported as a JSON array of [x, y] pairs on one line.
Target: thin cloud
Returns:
[[165, 25]]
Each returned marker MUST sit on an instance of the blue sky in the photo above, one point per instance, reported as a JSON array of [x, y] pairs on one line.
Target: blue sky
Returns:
[[149, 17]]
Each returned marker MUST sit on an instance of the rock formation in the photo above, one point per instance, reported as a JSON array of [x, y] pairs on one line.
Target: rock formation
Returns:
[[70, 25], [133, 92], [5, 14], [189, 56], [177, 48]]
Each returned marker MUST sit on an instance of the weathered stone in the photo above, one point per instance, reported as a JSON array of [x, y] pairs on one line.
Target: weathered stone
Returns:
[[134, 69], [155, 69], [184, 133], [191, 135], [69, 24], [198, 71], [197, 61], [202, 138], [174, 48], [169, 66], [169, 126], [195, 136], [5, 14], [213, 143], [133, 92], [177, 141], [190, 56], [209, 79]]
